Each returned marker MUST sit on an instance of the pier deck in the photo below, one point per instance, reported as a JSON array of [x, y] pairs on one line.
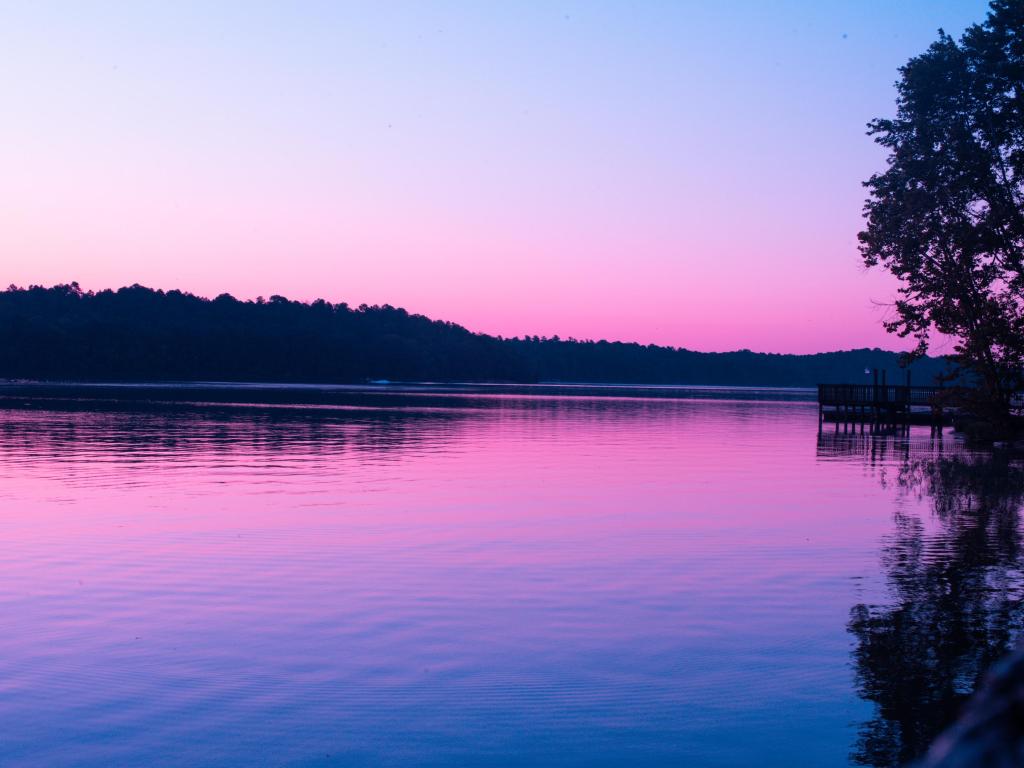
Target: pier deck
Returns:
[[881, 404]]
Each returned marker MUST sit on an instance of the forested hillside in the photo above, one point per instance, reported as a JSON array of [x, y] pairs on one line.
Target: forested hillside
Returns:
[[137, 333]]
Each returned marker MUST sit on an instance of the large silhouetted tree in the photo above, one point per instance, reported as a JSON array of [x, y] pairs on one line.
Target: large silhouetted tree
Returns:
[[946, 215]]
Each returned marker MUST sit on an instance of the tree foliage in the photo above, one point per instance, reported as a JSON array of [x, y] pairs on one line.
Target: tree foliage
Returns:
[[945, 217], [141, 334]]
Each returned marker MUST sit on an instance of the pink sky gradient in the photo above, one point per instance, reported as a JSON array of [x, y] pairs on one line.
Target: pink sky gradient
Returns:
[[680, 175]]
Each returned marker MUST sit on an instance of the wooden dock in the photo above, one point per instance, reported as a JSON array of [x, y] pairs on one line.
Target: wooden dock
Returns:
[[881, 404]]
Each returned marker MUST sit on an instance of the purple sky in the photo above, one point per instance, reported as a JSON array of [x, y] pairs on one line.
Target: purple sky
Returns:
[[680, 173]]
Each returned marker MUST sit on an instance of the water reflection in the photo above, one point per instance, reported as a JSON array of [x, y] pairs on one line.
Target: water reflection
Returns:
[[955, 578], [429, 580], [439, 579]]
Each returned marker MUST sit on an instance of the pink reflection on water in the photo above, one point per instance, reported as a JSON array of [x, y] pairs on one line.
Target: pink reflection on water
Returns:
[[561, 577]]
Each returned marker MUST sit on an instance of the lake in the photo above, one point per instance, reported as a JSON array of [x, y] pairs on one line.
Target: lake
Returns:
[[479, 577]]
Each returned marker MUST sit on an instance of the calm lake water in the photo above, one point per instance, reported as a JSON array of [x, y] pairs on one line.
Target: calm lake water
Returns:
[[478, 579]]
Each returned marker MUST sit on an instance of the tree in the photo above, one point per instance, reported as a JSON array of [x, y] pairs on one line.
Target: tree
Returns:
[[946, 215]]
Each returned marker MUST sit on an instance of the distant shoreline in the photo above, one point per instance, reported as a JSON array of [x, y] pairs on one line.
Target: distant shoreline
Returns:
[[157, 395], [137, 334]]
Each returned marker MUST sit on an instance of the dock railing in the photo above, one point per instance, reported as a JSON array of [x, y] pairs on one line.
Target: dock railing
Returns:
[[882, 404], [876, 395], [897, 403]]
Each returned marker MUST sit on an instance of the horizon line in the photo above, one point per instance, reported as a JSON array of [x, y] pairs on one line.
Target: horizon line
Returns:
[[527, 337]]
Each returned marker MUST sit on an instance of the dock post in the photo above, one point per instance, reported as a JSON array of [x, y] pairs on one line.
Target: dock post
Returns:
[[874, 395], [885, 396]]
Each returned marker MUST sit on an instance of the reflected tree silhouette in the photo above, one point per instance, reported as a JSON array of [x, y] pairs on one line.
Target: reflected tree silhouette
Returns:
[[958, 602]]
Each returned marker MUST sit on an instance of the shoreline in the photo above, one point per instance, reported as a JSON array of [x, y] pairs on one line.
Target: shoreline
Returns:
[[15, 394]]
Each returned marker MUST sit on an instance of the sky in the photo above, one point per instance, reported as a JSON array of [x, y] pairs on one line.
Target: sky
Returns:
[[682, 173]]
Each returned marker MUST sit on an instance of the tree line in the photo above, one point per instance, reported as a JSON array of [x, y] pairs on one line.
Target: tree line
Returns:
[[141, 334]]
